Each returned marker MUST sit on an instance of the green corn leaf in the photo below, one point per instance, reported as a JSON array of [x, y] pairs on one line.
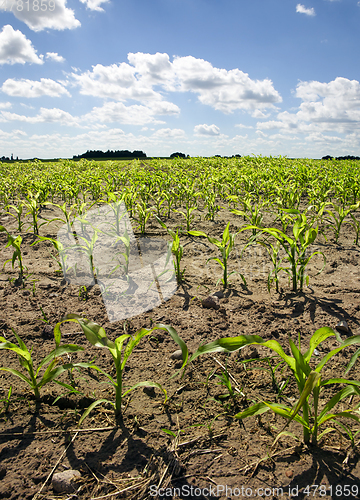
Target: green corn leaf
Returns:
[[51, 374], [345, 414], [312, 380], [13, 347], [148, 383], [343, 393], [256, 409], [18, 374], [91, 407], [349, 341], [284, 433], [94, 333], [352, 361], [287, 413]]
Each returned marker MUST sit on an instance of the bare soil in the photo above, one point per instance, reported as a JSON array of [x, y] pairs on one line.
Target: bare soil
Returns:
[[210, 447]]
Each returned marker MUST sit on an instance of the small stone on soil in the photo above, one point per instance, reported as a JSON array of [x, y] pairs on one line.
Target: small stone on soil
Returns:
[[149, 391], [62, 481], [342, 326], [176, 355], [47, 331], [211, 302]]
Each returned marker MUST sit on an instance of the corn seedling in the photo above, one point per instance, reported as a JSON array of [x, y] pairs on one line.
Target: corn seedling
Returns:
[[296, 249], [188, 214], [61, 251], [33, 204], [309, 381], [31, 376], [17, 256], [225, 245], [18, 213], [356, 225], [120, 353], [338, 215], [174, 248], [252, 214], [6, 401], [143, 215]]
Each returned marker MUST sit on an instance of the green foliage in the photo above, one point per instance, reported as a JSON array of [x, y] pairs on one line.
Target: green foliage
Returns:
[[225, 245], [174, 248], [338, 215], [308, 379], [120, 350], [16, 257], [295, 249], [31, 375]]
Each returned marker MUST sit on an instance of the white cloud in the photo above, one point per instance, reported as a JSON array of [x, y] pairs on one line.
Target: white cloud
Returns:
[[206, 130], [55, 16], [16, 48], [241, 125], [30, 88], [115, 82], [136, 114], [223, 90], [333, 106], [94, 4], [54, 56], [169, 133], [5, 105], [304, 10], [45, 115]]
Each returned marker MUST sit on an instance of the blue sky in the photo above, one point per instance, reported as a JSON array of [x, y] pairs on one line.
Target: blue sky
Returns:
[[204, 77]]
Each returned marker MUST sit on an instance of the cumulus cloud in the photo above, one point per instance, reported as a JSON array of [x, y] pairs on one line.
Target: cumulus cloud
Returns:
[[221, 89], [117, 81], [333, 106], [31, 88], [206, 130], [136, 114], [304, 10], [54, 56], [169, 133], [16, 48], [5, 105], [148, 76], [45, 115], [55, 16], [94, 4]]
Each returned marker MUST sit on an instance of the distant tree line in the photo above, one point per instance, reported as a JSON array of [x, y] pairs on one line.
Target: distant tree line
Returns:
[[347, 157], [110, 154]]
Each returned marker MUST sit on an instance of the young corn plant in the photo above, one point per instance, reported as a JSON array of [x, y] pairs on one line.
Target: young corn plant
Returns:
[[61, 251], [356, 225], [296, 249], [338, 215], [31, 375], [18, 214], [225, 245], [33, 204], [120, 353], [17, 256], [273, 251], [309, 410], [143, 215], [252, 214], [176, 249], [188, 214]]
